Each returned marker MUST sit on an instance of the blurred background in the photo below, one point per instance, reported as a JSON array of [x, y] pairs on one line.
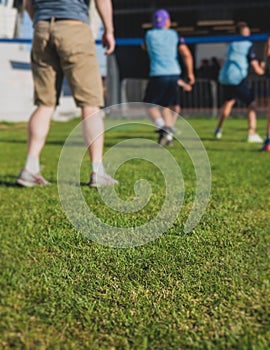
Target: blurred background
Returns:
[[207, 26]]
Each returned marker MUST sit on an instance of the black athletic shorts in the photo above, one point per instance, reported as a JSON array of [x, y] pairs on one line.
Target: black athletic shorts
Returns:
[[242, 91], [162, 91]]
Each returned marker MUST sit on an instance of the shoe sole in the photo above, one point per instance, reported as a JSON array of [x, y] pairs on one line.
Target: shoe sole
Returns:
[[101, 185], [169, 143], [24, 183], [162, 141], [94, 185]]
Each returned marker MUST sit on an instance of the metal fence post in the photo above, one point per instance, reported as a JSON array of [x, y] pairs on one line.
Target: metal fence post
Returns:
[[214, 93], [124, 91], [113, 81]]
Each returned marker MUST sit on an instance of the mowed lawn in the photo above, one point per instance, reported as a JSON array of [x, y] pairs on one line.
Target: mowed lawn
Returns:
[[207, 289]]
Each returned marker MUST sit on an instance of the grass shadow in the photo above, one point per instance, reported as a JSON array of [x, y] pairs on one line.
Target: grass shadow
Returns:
[[9, 181], [53, 143]]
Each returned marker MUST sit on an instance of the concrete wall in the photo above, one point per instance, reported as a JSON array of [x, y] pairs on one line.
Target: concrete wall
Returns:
[[16, 90], [8, 17], [16, 93]]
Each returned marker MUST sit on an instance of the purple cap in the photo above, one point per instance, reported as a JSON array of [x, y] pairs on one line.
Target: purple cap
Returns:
[[160, 18]]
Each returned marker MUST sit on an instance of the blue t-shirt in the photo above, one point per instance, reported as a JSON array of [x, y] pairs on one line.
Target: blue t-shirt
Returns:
[[162, 47], [75, 9], [236, 65]]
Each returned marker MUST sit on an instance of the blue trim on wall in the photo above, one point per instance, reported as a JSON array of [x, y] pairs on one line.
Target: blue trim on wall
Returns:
[[188, 40]]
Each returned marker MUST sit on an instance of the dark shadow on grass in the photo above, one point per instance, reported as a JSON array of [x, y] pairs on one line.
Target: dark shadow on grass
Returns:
[[85, 184], [14, 141], [130, 134], [239, 150], [48, 143], [9, 184], [5, 182], [9, 181], [108, 144], [211, 139], [54, 143]]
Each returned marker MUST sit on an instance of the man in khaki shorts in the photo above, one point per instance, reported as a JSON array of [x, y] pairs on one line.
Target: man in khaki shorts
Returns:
[[63, 45]]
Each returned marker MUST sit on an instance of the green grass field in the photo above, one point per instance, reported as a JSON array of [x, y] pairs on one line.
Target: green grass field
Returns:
[[208, 289]]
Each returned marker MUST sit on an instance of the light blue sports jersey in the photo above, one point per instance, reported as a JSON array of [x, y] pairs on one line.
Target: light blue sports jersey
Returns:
[[236, 65], [162, 46]]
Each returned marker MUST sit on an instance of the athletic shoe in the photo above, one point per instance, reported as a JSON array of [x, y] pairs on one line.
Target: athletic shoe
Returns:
[[266, 146], [165, 136], [101, 180], [27, 179], [169, 143], [255, 138], [218, 133], [173, 129]]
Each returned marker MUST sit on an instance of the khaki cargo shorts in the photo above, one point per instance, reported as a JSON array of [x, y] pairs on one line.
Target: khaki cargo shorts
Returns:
[[65, 48]]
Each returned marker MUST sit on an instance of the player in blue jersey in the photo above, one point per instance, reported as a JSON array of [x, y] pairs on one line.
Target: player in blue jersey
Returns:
[[163, 46], [233, 77]]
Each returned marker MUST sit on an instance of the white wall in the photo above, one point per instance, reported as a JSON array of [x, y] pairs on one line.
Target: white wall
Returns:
[[16, 93], [7, 21], [16, 90]]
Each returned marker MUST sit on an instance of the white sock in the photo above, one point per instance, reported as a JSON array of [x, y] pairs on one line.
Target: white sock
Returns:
[[159, 122], [32, 164], [98, 168]]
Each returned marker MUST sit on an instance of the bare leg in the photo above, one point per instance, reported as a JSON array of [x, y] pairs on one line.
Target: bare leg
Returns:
[[166, 134], [226, 110], [93, 132], [154, 113], [252, 120], [167, 116], [38, 128], [175, 113]]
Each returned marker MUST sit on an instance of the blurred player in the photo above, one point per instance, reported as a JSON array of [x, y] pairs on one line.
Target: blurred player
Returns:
[[233, 77], [163, 45]]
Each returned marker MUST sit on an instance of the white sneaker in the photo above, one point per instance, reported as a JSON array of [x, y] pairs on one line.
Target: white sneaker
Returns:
[[27, 179], [218, 134], [97, 180], [165, 136], [255, 138]]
